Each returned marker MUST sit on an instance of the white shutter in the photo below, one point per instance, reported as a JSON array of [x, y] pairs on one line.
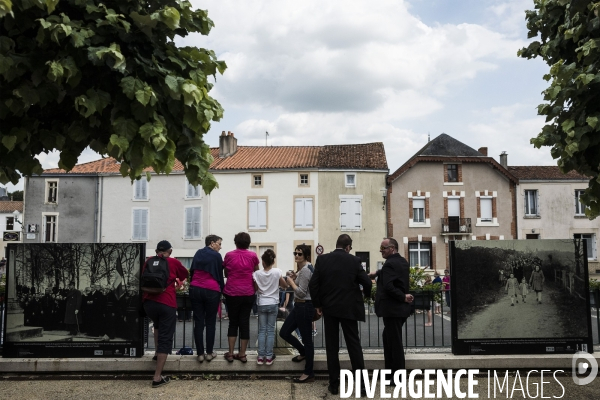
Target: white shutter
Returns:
[[197, 219], [418, 203], [308, 211], [356, 214], [454, 207], [344, 217], [486, 209], [137, 190], [144, 185], [299, 204], [136, 224], [190, 190], [144, 224], [189, 222], [262, 214], [253, 214]]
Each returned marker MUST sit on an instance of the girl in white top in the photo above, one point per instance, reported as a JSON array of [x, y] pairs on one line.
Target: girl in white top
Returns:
[[267, 282]]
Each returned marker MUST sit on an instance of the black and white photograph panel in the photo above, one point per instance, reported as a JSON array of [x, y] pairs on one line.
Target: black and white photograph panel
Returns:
[[76, 292], [520, 289]]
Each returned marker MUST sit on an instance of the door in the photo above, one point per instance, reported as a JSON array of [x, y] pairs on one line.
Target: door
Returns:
[[364, 259], [454, 214]]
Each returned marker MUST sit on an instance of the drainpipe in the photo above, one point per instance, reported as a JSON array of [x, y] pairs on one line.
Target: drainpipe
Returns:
[[96, 210]]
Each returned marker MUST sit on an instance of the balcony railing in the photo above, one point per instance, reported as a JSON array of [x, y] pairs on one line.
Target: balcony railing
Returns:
[[456, 226]]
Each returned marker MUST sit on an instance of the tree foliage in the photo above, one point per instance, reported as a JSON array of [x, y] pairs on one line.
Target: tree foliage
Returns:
[[78, 73], [568, 40]]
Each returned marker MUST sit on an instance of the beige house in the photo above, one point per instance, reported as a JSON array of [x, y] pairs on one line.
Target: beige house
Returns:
[[548, 207], [352, 196], [449, 191]]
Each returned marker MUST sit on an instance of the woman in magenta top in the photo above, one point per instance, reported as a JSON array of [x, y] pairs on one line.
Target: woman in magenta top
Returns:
[[239, 265]]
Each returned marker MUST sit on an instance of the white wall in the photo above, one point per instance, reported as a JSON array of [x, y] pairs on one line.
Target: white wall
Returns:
[[229, 211], [166, 202]]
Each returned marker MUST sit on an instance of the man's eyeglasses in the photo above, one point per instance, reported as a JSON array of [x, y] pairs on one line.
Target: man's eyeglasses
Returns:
[[382, 248], [298, 254]]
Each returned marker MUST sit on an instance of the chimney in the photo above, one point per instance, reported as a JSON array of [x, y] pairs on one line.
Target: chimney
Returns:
[[483, 150], [503, 159], [227, 144]]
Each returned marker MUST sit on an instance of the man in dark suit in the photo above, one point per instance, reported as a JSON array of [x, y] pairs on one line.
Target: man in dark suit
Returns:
[[392, 302], [334, 289]]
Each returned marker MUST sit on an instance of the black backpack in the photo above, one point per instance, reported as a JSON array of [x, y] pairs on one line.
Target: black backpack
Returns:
[[155, 277]]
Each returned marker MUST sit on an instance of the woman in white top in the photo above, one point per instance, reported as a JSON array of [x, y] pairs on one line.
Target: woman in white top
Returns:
[[267, 282]]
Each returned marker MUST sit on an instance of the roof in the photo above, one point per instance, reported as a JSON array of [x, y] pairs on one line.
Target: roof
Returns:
[[10, 206], [543, 173], [348, 156], [445, 148]]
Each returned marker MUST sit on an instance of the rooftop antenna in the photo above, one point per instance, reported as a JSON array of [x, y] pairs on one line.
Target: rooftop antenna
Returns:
[[428, 137], [266, 136]]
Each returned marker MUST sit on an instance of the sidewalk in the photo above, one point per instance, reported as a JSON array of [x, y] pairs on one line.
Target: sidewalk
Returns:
[[283, 364]]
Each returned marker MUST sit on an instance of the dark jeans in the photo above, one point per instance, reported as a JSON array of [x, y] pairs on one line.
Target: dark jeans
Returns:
[[205, 304], [239, 315], [301, 317], [393, 352], [164, 320]]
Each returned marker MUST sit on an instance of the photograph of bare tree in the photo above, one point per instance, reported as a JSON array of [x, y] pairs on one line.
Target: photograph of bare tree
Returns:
[[520, 296], [70, 296]]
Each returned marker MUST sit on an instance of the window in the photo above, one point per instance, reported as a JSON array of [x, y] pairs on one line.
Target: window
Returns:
[[350, 179], [10, 223], [531, 203], [350, 213], [418, 210], [419, 254], [191, 191], [51, 191], [452, 172], [260, 249], [50, 222], [140, 224], [257, 180], [193, 216], [589, 239], [579, 208], [257, 214], [486, 209], [303, 179], [303, 213], [140, 189]]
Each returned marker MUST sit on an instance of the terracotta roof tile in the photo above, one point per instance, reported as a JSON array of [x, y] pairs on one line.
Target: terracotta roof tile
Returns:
[[352, 156], [544, 173], [267, 157], [359, 156], [10, 206]]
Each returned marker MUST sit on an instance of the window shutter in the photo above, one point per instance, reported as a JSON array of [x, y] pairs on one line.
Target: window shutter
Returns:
[[197, 219], [308, 209], [344, 217], [262, 214], [454, 207], [299, 205], [144, 224], [136, 224], [536, 195], [253, 214], [486, 209], [144, 190], [189, 215], [190, 190], [356, 215], [137, 193]]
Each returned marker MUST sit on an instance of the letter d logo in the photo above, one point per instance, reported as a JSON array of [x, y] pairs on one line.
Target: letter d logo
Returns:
[[582, 363]]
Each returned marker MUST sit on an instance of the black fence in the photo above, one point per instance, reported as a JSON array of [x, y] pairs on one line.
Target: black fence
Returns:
[[417, 331]]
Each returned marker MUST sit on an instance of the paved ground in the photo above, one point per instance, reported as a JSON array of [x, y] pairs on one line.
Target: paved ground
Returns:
[[253, 388]]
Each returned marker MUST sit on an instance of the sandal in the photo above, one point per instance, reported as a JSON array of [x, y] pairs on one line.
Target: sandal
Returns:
[[240, 358], [298, 359], [228, 357]]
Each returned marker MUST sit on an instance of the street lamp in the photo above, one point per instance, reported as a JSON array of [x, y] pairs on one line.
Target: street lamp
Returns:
[[16, 214]]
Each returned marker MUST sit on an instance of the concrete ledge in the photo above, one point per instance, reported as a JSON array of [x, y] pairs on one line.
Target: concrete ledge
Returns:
[[188, 364]]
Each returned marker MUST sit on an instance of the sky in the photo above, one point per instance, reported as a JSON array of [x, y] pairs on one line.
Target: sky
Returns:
[[355, 71]]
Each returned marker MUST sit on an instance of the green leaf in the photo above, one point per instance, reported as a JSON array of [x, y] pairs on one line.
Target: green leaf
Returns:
[[5, 9], [51, 5], [55, 70], [170, 16], [592, 121], [9, 142], [119, 141], [144, 96]]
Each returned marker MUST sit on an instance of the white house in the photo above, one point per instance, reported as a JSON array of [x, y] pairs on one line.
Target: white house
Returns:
[[10, 227], [548, 207]]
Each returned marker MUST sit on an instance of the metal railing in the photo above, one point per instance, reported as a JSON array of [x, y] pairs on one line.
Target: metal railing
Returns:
[[456, 226]]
